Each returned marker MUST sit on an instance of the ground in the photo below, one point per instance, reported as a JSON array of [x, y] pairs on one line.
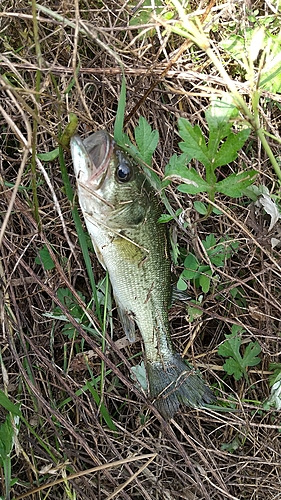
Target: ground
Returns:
[[66, 367]]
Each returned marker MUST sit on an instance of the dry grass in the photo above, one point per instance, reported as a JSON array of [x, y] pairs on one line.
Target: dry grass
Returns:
[[63, 433]]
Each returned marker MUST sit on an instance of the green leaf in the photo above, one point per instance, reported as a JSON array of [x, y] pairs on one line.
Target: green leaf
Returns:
[[233, 367], [181, 285], [200, 207], [276, 376], [193, 313], [193, 183], [250, 355], [6, 439], [177, 170], [146, 139], [164, 218], [45, 259], [209, 242], [191, 264], [219, 252], [177, 166], [228, 152], [102, 408], [50, 156], [145, 12], [234, 184], [194, 142], [236, 365], [204, 282], [8, 405], [119, 120], [253, 192], [218, 117]]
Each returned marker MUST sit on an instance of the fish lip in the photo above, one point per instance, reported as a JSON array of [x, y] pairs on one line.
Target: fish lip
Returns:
[[94, 154]]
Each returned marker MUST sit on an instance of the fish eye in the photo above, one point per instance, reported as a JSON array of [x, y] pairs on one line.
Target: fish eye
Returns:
[[123, 171]]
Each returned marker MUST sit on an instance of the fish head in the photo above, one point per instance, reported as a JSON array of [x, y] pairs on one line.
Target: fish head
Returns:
[[112, 183]]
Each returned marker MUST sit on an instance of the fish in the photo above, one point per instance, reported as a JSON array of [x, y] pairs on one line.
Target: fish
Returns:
[[121, 211]]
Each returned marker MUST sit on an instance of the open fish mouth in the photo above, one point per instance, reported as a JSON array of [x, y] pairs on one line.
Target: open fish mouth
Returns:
[[91, 157]]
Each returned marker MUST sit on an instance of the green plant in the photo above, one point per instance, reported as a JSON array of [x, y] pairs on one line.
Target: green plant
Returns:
[[45, 259], [202, 274], [237, 363], [8, 431], [267, 40], [222, 148], [192, 29], [77, 312], [142, 13]]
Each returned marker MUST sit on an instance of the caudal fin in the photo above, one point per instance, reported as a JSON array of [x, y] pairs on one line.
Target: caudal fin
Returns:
[[176, 383]]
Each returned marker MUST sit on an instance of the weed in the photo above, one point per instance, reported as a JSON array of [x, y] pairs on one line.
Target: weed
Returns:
[[222, 148], [202, 274], [237, 363], [77, 312], [8, 432], [45, 259]]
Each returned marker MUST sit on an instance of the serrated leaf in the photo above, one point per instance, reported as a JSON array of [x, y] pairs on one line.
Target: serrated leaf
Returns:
[[209, 242], [177, 170], [194, 142], [228, 152], [250, 355], [177, 165], [237, 329], [234, 184], [236, 365], [193, 183], [146, 139], [232, 367], [230, 346]]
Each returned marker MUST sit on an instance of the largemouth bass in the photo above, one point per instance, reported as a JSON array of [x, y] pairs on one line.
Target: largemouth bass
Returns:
[[121, 211]]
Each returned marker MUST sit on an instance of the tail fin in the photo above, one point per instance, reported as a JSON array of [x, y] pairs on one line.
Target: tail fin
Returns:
[[175, 383]]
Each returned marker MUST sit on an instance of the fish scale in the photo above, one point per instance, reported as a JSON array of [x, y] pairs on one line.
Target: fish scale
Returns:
[[121, 211]]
